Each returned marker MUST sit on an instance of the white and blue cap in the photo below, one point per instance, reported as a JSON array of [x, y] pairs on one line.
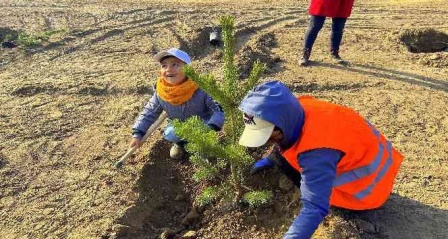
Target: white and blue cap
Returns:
[[179, 54], [256, 131]]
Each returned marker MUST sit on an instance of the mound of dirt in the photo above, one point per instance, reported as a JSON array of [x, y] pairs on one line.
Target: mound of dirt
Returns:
[[424, 40], [164, 199], [439, 60], [258, 49], [168, 211], [197, 42]]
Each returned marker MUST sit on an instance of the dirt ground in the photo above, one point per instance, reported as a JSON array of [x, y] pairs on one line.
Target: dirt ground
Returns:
[[68, 105]]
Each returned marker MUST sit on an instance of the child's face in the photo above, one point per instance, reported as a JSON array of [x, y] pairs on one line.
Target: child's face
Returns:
[[171, 70]]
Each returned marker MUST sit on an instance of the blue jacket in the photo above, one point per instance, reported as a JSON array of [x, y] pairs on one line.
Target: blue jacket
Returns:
[[275, 103], [200, 104]]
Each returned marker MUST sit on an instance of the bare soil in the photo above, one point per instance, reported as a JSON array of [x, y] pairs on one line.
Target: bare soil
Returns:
[[67, 107]]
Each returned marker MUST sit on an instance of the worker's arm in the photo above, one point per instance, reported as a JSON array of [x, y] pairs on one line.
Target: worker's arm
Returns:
[[318, 173]]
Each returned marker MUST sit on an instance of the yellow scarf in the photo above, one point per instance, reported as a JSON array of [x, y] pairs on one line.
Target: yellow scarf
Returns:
[[176, 94]]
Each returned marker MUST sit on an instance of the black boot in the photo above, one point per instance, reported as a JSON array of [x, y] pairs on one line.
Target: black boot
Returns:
[[305, 60], [335, 56]]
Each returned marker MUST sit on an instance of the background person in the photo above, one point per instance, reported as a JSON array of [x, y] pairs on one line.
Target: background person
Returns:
[[339, 11]]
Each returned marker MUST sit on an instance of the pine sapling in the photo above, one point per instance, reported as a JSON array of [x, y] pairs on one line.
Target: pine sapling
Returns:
[[214, 153]]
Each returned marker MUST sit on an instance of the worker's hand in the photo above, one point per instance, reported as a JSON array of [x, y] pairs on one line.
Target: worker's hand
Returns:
[[135, 142], [262, 164]]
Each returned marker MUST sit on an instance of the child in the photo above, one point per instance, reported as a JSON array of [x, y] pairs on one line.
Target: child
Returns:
[[180, 97]]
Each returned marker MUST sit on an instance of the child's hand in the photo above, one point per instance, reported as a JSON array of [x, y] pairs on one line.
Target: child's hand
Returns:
[[135, 142]]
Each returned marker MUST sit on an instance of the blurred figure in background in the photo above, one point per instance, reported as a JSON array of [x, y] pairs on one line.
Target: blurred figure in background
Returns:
[[339, 11]]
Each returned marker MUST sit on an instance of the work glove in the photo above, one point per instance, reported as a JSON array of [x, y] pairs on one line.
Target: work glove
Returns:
[[277, 158], [262, 164]]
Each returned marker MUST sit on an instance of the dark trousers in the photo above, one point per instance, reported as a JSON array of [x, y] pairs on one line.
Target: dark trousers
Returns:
[[316, 23]]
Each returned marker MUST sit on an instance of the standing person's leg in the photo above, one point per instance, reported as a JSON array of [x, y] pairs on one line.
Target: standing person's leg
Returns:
[[337, 30], [316, 23]]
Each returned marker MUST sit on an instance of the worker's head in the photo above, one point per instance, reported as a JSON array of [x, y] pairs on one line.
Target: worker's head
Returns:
[[171, 63], [258, 132], [271, 114]]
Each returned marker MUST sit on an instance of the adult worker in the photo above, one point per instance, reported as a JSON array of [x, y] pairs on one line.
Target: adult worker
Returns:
[[342, 159], [319, 10]]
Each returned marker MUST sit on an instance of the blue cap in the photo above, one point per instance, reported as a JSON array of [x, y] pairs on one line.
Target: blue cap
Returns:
[[179, 54]]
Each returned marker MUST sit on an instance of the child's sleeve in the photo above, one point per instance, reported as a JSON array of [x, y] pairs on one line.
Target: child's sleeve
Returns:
[[147, 117], [217, 118]]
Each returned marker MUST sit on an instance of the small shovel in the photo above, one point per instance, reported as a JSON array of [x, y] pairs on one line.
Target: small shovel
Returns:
[[151, 130]]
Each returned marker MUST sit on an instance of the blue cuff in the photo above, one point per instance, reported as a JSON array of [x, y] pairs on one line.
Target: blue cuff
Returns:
[[137, 134], [264, 163], [214, 127]]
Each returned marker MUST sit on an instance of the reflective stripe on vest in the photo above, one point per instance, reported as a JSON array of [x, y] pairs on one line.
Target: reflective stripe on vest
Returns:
[[364, 171]]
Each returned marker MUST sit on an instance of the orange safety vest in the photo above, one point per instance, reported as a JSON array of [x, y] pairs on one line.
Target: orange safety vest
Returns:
[[366, 172]]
